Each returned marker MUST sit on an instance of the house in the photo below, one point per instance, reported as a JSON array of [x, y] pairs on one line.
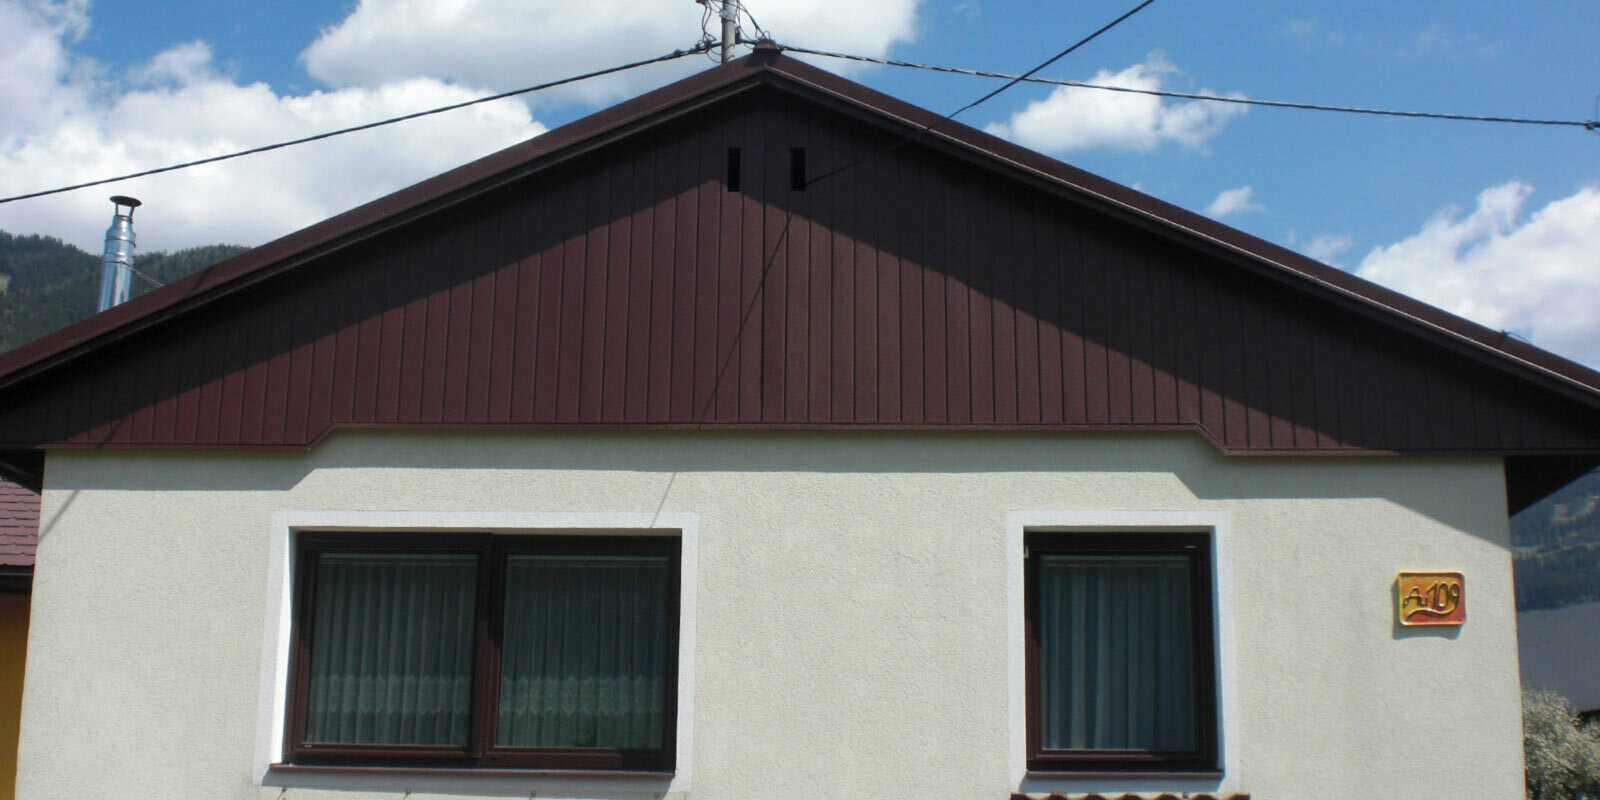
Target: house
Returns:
[[639, 460], [19, 531]]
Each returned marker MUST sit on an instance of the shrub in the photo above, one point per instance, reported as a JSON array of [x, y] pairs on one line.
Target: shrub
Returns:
[[1562, 757]]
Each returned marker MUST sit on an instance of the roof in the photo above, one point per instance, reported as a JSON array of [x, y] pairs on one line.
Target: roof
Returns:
[[19, 524], [1431, 380]]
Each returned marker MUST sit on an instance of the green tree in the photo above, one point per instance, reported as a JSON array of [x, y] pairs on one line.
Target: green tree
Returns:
[[50, 284]]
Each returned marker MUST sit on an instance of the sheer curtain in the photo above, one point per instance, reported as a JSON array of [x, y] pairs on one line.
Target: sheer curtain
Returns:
[[1116, 652], [391, 649], [583, 659]]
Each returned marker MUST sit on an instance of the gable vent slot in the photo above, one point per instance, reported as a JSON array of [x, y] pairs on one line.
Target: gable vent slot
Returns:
[[797, 169], [733, 169]]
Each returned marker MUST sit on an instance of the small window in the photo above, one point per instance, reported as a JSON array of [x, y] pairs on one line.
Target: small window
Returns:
[[1120, 652], [492, 651]]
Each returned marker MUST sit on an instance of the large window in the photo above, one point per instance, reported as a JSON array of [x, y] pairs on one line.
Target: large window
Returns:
[[1120, 652], [535, 651]]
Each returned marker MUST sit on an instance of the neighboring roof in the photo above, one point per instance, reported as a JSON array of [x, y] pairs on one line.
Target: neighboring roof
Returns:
[[19, 524], [1354, 368]]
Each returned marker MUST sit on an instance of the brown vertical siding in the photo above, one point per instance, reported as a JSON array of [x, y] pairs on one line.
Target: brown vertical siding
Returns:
[[632, 288]]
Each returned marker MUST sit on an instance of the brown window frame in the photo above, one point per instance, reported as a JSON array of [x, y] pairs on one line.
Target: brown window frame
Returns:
[[1199, 548], [481, 751]]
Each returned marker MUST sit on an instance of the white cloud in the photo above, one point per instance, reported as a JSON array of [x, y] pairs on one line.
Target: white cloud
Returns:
[[1300, 28], [1232, 201], [1437, 40], [1311, 31], [1539, 278], [1071, 118], [183, 64], [35, 65], [1326, 247], [66, 121], [510, 43]]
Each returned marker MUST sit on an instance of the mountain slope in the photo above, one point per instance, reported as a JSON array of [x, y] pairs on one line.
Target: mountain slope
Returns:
[[1557, 541], [49, 283]]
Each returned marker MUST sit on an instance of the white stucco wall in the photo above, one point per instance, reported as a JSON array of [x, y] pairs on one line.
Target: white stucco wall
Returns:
[[851, 614]]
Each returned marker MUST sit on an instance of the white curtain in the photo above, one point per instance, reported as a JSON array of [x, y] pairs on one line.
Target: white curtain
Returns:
[[391, 649], [583, 662], [1116, 652]]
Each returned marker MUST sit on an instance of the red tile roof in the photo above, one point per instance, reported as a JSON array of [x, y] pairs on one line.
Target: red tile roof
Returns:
[[19, 525]]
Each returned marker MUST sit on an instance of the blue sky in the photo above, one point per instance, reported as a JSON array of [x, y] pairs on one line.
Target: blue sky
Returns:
[[1498, 222]]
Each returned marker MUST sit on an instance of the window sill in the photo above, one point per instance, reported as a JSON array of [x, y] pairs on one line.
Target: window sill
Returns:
[[1137, 782], [1053, 775], [525, 772], [469, 780]]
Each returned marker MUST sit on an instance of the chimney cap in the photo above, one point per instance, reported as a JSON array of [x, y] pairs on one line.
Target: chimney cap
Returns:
[[124, 200]]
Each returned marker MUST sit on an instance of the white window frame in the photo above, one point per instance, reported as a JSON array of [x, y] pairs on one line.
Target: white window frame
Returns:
[[286, 523], [1217, 523]]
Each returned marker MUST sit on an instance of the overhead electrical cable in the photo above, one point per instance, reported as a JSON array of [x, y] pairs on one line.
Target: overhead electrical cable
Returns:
[[676, 54], [766, 270], [707, 40], [1031, 78], [153, 282], [761, 33], [1015, 79]]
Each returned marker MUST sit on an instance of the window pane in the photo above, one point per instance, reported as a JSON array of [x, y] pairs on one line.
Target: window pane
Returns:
[[391, 649], [583, 662], [1116, 653]]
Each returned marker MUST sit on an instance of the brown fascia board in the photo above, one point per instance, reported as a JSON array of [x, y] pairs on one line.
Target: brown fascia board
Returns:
[[767, 66]]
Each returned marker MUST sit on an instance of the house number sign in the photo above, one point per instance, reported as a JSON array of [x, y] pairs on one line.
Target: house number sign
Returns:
[[1431, 598]]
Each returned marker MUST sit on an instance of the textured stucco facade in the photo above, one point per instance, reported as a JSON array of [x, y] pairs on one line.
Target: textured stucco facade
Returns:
[[851, 615]]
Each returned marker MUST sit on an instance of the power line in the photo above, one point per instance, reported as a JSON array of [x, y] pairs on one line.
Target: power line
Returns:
[[154, 284], [761, 33], [1030, 78], [676, 54], [707, 40], [1015, 79], [783, 233], [1057, 57]]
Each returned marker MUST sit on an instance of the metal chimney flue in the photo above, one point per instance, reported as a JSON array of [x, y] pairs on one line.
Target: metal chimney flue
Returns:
[[116, 265]]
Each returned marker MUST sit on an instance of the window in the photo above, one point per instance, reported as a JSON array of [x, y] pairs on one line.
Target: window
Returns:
[[533, 651], [1120, 652]]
